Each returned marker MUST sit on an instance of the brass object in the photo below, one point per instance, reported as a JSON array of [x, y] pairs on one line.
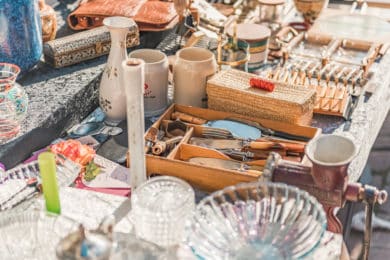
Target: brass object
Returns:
[[48, 20], [310, 9], [230, 54]]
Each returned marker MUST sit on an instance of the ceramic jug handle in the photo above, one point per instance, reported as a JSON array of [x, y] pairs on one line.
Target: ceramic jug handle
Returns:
[[171, 62]]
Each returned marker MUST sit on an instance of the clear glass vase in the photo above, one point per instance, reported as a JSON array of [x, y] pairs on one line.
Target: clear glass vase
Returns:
[[13, 102]]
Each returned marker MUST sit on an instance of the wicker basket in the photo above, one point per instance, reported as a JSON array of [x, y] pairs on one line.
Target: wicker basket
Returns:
[[230, 91]]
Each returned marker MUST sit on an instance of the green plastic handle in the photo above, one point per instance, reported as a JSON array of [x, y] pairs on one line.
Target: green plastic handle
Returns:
[[47, 168]]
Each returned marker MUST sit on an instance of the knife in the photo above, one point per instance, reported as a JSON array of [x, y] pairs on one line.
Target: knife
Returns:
[[265, 131], [239, 144], [230, 164], [258, 130]]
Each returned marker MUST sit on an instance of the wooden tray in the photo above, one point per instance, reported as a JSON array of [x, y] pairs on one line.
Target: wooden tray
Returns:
[[204, 177]]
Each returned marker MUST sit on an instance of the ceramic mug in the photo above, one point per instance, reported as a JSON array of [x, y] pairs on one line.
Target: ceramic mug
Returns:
[[156, 80], [330, 156], [191, 69]]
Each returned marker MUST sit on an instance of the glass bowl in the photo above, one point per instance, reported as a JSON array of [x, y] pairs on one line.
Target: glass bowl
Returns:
[[32, 234], [257, 221]]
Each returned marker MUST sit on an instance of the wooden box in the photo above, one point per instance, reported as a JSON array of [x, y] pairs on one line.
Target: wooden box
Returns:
[[205, 177]]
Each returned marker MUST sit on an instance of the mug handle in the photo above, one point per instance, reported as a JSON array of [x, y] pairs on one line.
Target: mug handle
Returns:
[[171, 63]]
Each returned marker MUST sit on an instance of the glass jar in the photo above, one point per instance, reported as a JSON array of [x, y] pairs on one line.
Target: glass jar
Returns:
[[21, 33], [271, 12], [13, 102]]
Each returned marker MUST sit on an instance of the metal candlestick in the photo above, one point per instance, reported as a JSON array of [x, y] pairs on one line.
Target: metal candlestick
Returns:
[[228, 53]]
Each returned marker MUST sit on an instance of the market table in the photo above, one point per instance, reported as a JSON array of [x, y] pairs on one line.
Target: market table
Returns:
[[60, 98]]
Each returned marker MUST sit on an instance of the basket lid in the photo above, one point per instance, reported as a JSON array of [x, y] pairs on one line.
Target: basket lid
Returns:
[[250, 32]]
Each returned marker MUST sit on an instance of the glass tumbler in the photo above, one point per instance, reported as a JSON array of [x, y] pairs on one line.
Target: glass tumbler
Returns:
[[161, 208]]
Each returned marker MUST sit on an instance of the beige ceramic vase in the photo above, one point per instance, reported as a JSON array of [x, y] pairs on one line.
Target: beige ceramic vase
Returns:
[[112, 97]]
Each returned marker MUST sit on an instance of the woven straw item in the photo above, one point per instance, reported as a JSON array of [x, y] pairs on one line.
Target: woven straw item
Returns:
[[230, 91]]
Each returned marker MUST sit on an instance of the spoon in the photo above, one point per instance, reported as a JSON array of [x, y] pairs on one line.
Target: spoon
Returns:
[[94, 128]]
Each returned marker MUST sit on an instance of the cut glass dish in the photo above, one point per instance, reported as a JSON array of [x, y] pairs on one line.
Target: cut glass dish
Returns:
[[257, 221], [32, 234]]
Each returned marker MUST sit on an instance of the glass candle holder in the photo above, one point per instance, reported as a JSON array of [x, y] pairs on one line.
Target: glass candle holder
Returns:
[[13, 101], [161, 208]]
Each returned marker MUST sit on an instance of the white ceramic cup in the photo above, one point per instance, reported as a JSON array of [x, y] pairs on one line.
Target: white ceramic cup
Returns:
[[156, 80], [192, 67]]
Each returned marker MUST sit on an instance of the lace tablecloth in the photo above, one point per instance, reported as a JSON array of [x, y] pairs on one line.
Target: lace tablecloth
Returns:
[[89, 208]]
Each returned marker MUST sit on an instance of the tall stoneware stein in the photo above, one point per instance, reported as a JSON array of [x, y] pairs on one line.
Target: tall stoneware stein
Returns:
[[156, 80], [330, 156], [112, 97], [192, 67], [20, 33]]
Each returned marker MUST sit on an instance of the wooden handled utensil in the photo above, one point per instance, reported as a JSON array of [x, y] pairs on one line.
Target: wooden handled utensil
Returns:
[[239, 144], [253, 167]]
